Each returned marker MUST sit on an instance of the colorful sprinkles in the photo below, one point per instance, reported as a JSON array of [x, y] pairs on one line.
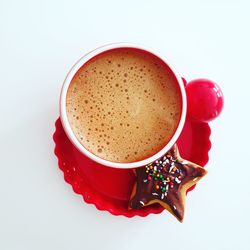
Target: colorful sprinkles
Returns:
[[164, 173]]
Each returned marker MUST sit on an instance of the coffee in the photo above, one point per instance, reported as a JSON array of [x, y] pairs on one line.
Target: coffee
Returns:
[[124, 105]]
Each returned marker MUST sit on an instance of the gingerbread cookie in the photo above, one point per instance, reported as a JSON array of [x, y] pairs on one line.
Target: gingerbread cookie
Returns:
[[165, 182]]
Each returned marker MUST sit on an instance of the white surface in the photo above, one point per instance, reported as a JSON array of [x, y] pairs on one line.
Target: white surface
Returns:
[[73, 138], [39, 42]]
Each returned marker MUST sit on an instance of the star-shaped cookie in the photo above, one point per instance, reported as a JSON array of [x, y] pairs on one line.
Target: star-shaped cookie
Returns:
[[165, 182]]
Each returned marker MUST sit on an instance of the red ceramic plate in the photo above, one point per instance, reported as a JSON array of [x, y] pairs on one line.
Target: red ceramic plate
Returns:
[[108, 188]]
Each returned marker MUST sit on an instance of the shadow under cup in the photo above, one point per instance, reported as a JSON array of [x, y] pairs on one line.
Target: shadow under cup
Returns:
[[118, 96]]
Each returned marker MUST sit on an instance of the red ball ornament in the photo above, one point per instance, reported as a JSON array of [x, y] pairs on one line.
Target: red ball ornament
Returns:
[[204, 100]]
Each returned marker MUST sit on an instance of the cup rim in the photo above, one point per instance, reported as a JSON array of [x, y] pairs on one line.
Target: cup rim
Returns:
[[69, 132]]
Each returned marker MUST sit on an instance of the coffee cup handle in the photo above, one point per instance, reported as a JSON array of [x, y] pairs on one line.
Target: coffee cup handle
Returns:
[[205, 100]]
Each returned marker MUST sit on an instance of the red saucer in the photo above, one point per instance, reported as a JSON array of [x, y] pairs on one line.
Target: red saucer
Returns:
[[108, 188]]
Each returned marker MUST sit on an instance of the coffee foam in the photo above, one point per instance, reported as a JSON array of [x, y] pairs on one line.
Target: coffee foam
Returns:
[[124, 105]]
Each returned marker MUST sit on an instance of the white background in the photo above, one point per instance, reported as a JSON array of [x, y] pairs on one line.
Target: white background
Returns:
[[39, 42]]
